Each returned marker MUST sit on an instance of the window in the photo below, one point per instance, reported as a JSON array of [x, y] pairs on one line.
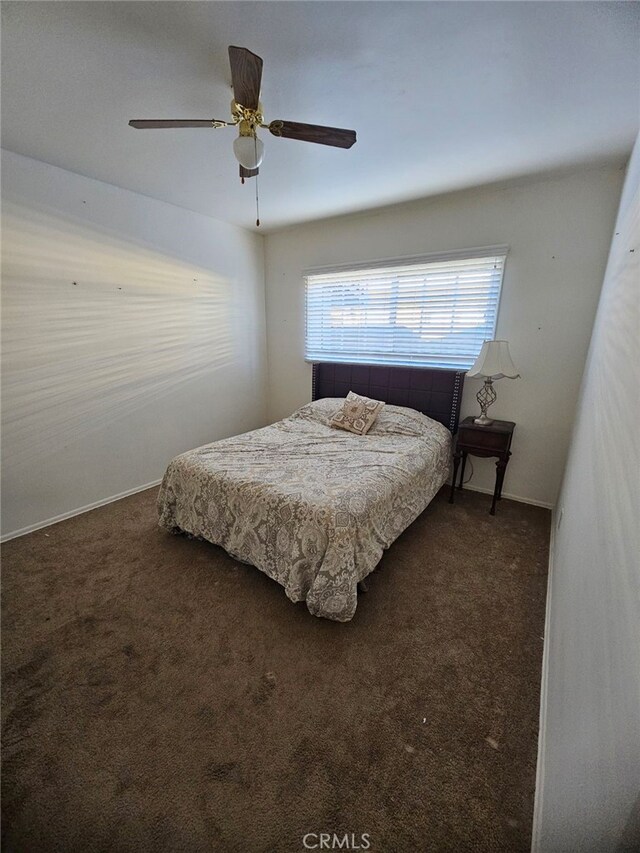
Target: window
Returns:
[[433, 311]]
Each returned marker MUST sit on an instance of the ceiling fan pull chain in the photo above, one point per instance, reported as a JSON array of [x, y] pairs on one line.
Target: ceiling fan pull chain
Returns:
[[257, 205], [257, 202]]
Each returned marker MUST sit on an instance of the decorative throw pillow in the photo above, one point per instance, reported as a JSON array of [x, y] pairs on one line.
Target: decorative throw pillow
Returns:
[[357, 414]]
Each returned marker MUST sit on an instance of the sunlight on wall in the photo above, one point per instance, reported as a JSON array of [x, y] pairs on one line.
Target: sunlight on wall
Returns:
[[94, 329]]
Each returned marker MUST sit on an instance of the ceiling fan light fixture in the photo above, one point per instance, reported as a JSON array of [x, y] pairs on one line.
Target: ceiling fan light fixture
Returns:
[[247, 116], [249, 151]]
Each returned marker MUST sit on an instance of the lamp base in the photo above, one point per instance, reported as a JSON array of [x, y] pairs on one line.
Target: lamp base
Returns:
[[483, 420], [486, 396]]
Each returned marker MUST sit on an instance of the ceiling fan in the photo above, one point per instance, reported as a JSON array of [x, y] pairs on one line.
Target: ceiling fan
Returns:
[[246, 113]]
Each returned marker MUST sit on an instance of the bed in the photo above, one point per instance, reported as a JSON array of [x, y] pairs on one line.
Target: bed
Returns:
[[312, 506]]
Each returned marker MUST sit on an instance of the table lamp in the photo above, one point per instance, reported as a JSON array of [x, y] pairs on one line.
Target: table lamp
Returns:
[[494, 362]]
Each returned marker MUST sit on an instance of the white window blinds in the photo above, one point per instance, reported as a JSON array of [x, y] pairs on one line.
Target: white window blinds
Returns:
[[434, 311]]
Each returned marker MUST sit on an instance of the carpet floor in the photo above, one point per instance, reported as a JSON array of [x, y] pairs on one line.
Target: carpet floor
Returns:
[[159, 696]]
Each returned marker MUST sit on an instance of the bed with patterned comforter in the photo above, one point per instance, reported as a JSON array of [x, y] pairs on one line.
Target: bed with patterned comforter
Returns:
[[312, 506]]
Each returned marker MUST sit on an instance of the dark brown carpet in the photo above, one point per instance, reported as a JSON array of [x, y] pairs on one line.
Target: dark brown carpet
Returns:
[[159, 696]]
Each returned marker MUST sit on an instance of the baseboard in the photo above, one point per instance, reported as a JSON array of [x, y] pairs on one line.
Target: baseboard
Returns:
[[510, 497], [49, 521], [536, 832]]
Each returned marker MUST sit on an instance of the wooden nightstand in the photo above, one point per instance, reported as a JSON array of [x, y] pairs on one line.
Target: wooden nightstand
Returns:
[[492, 440]]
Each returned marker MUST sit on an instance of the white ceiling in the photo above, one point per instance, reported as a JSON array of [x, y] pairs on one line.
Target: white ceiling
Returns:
[[442, 95]]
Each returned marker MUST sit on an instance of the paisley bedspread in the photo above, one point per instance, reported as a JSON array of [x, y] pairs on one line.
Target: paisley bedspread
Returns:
[[312, 506]]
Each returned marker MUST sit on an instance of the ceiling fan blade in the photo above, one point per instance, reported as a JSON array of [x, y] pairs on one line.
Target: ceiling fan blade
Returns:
[[246, 75], [143, 123], [248, 173], [335, 136]]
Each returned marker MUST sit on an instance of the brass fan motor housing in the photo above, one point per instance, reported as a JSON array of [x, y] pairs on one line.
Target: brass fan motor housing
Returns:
[[248, 120]]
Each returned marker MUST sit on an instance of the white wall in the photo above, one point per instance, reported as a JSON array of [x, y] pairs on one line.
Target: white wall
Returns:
[[558, 230], [157, 348], [588, 794]]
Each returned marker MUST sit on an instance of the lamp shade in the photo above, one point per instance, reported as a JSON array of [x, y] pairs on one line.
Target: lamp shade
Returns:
[[249, 151], [494, 362]]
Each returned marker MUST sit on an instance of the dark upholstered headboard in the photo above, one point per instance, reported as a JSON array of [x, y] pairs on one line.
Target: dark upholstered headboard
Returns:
[[434, 392]]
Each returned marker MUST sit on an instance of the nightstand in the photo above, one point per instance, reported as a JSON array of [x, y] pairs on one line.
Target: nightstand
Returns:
[[477, 440]]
